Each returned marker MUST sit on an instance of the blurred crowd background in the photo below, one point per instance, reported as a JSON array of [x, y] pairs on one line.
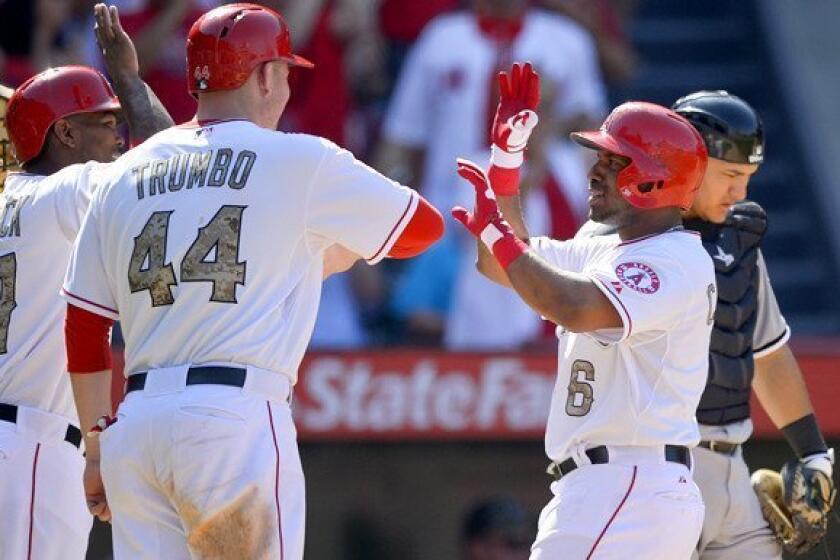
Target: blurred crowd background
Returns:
[[408, 86]]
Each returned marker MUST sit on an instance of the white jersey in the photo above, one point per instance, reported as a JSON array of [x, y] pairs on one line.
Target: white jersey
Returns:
[[638, 385], [440, 102], [207, 242], [41, 216]]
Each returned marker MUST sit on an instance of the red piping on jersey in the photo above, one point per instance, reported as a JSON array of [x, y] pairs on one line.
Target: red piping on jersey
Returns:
[[32, 502], [393, 229], [614, 297], [72, 295], [276, 477], [425, 227], [612, 518]]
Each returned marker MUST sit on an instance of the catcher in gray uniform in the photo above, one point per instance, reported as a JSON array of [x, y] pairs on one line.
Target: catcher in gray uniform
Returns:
[[748, 519]]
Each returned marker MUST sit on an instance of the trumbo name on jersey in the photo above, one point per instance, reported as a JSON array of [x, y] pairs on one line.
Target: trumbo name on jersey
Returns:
[[212, 168]]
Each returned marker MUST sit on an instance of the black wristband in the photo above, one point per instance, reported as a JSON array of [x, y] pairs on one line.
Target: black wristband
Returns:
[[804, 436]]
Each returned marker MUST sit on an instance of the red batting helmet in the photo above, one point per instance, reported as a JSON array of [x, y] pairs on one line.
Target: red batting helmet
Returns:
[[668, 156], [54, 94], [227, 43]]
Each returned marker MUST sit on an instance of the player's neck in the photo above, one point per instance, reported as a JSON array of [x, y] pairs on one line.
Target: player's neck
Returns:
[[650, 222], [222, 106], [47, 164]]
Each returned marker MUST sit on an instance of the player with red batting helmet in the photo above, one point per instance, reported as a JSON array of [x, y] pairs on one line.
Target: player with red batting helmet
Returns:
[[632, 311], [62, 127], [209, 244]]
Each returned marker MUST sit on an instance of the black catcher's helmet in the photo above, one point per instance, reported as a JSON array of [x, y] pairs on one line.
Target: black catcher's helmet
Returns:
[[730, 127]]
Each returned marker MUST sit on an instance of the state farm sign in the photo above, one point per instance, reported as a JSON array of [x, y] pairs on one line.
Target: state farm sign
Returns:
[[420, 395]]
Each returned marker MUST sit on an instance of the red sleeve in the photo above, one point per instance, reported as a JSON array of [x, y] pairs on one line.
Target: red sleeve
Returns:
[[424, 228], [86, 336]]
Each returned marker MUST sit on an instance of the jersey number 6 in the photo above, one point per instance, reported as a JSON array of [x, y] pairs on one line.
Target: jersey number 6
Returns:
[[148, 269], [580, 392]]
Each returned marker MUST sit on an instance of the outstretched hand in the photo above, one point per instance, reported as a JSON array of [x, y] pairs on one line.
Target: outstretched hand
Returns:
[[117, 48], [486, 222], [486, 208], [519, 97]]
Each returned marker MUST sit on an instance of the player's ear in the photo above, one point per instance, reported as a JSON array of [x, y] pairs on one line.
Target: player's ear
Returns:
[[65, 134], [265, 76]]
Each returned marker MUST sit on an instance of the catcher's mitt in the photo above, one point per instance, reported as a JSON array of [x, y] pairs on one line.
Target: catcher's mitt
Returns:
[[796, 503]]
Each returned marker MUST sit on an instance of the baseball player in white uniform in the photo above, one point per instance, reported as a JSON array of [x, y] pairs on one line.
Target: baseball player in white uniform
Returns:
[[208, 243], [441, 109], [634, 315], [57, 121], [748, 351]]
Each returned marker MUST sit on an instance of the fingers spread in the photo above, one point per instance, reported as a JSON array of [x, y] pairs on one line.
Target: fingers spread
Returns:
[[516, 80], [532, 89], [115, 19], [472, 173], [108, 25], [463, 216], [504, 86]]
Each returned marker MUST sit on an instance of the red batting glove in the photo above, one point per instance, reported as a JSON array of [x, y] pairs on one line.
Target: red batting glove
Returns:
[[486, 222], [519, 96]]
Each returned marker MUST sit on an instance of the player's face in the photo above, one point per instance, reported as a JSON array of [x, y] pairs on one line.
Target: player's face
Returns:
[[723, 185], [606, 205], [96, 136]]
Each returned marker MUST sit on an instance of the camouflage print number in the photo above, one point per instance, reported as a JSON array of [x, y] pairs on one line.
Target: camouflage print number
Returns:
[[580, 392], [8, 274], [219, 239], [147, 269], [212, 257]]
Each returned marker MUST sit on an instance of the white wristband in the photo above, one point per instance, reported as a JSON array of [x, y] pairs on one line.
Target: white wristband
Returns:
[[507, 160], [821, 462], [489, 235]]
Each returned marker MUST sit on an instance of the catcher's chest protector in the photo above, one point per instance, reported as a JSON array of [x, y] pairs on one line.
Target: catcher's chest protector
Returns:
[[733, 247]]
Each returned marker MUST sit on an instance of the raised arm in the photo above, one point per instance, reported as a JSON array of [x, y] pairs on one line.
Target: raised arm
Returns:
[[568, 299], [519, 96], [142, 109]]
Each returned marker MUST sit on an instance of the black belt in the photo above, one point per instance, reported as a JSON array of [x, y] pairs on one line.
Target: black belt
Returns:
[[200, 375], [723, 447], [600, 455], [8, 413]]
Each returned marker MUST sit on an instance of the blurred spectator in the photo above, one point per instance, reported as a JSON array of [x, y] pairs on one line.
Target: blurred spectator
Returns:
[[497, 529], [606, 20], [159, 29], [401, 22], [39, 33], [342, 39], [442, 109]]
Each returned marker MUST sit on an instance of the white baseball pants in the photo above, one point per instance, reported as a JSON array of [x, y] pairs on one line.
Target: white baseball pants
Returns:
[[636, 506], [205, 471], [43, 513]]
